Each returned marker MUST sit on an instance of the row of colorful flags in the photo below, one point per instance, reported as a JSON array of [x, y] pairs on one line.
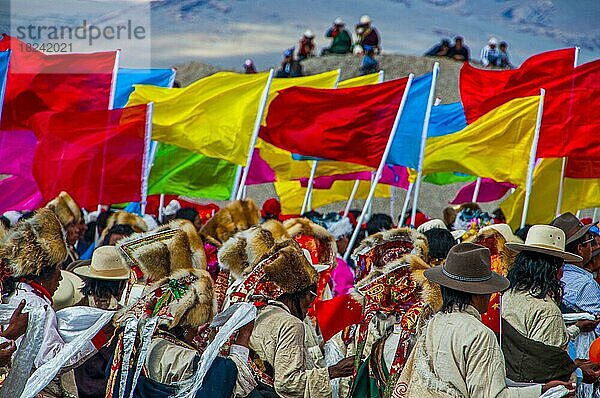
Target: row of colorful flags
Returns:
[[80, 123]]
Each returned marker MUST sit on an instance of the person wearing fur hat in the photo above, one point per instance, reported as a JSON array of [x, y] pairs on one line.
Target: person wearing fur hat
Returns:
[[395, 296], [534, 334], [285, 282], [70, 216], [33, 252], [455, 354]]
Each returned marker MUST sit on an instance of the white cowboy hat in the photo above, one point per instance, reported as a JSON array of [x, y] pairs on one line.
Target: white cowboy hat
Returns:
[[504, 230], [431, 224], [68, 292], [106, 265], [545, 239], [365, 19]]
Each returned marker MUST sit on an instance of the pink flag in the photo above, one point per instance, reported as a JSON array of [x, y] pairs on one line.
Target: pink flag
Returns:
[[19, 191], [489, 191], [260, 171], [392, 175]]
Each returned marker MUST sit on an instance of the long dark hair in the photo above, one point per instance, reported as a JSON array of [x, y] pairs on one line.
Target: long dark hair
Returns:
[[9, 286], [537, 274], [102, 289], [454, 298]]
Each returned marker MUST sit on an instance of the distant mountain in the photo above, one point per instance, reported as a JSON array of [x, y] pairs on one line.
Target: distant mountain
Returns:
[[225, 32]]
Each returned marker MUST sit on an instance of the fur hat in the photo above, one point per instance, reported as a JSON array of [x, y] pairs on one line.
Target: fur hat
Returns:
[[65, 208], [382, 248], [276, 229], [307, 233], [288, 268], [241, 253], [126, 218], [161, 252], [34, 244], [237, 216], [184, 298]]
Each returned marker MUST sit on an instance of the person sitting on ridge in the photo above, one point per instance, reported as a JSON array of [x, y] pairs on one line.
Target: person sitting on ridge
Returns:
[[369, 64], [439, 50], [342, 43], [290, 67], [367, 35], [306, 48]]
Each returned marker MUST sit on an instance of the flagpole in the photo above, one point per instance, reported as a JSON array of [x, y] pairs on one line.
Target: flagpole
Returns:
[[380, 168], [370, 210], [257, 121], [351, 198], [476, 191], [113, 84], [161, 205], [392, 202], [311, 179], [561, 183], [595, 215], [147, 159], [532, 155], [405, 205], [236, 180], [436, 69]]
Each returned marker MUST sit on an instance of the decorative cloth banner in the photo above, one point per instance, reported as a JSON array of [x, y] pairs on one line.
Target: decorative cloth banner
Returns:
[[582, 168], [95, 156], [127, 78], [63, 82], [349, 124], [483, 90], [489, 191]]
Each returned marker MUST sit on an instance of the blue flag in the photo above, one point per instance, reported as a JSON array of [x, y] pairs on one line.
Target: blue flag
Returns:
[[4, 58], [126, 78], [444, 119]]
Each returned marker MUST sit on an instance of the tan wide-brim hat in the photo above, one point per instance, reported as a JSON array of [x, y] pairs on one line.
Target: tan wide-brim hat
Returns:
[[545, 239], [106, 265], [468, 269], [431, 224]]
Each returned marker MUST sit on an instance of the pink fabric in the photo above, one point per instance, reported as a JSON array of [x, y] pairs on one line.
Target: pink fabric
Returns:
[[489, 191], [342, 277], [19, 191], [392, 175], [260, 171]]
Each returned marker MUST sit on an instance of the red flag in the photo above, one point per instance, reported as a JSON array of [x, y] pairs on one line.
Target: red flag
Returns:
[[350, 125], [96, 156], [336, 314], [37, 82], [570, 124], [482, 90], [582, 168]]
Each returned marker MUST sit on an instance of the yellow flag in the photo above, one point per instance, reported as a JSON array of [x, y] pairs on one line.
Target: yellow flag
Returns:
[[578, 194], [372, 78], [497, 145], [213, 116], [291, 194]]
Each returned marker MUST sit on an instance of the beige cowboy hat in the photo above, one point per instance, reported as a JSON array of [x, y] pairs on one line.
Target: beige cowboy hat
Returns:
[[431, 224], [545, 239], [106, 265], [468, 269]]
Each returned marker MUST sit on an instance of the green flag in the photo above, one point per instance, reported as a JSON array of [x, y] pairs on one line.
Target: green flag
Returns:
[[178, 171], [445, 178]]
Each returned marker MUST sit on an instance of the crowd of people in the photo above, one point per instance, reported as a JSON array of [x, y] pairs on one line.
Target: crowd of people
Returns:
[[366, 42], [248, 302], [493, 54]]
